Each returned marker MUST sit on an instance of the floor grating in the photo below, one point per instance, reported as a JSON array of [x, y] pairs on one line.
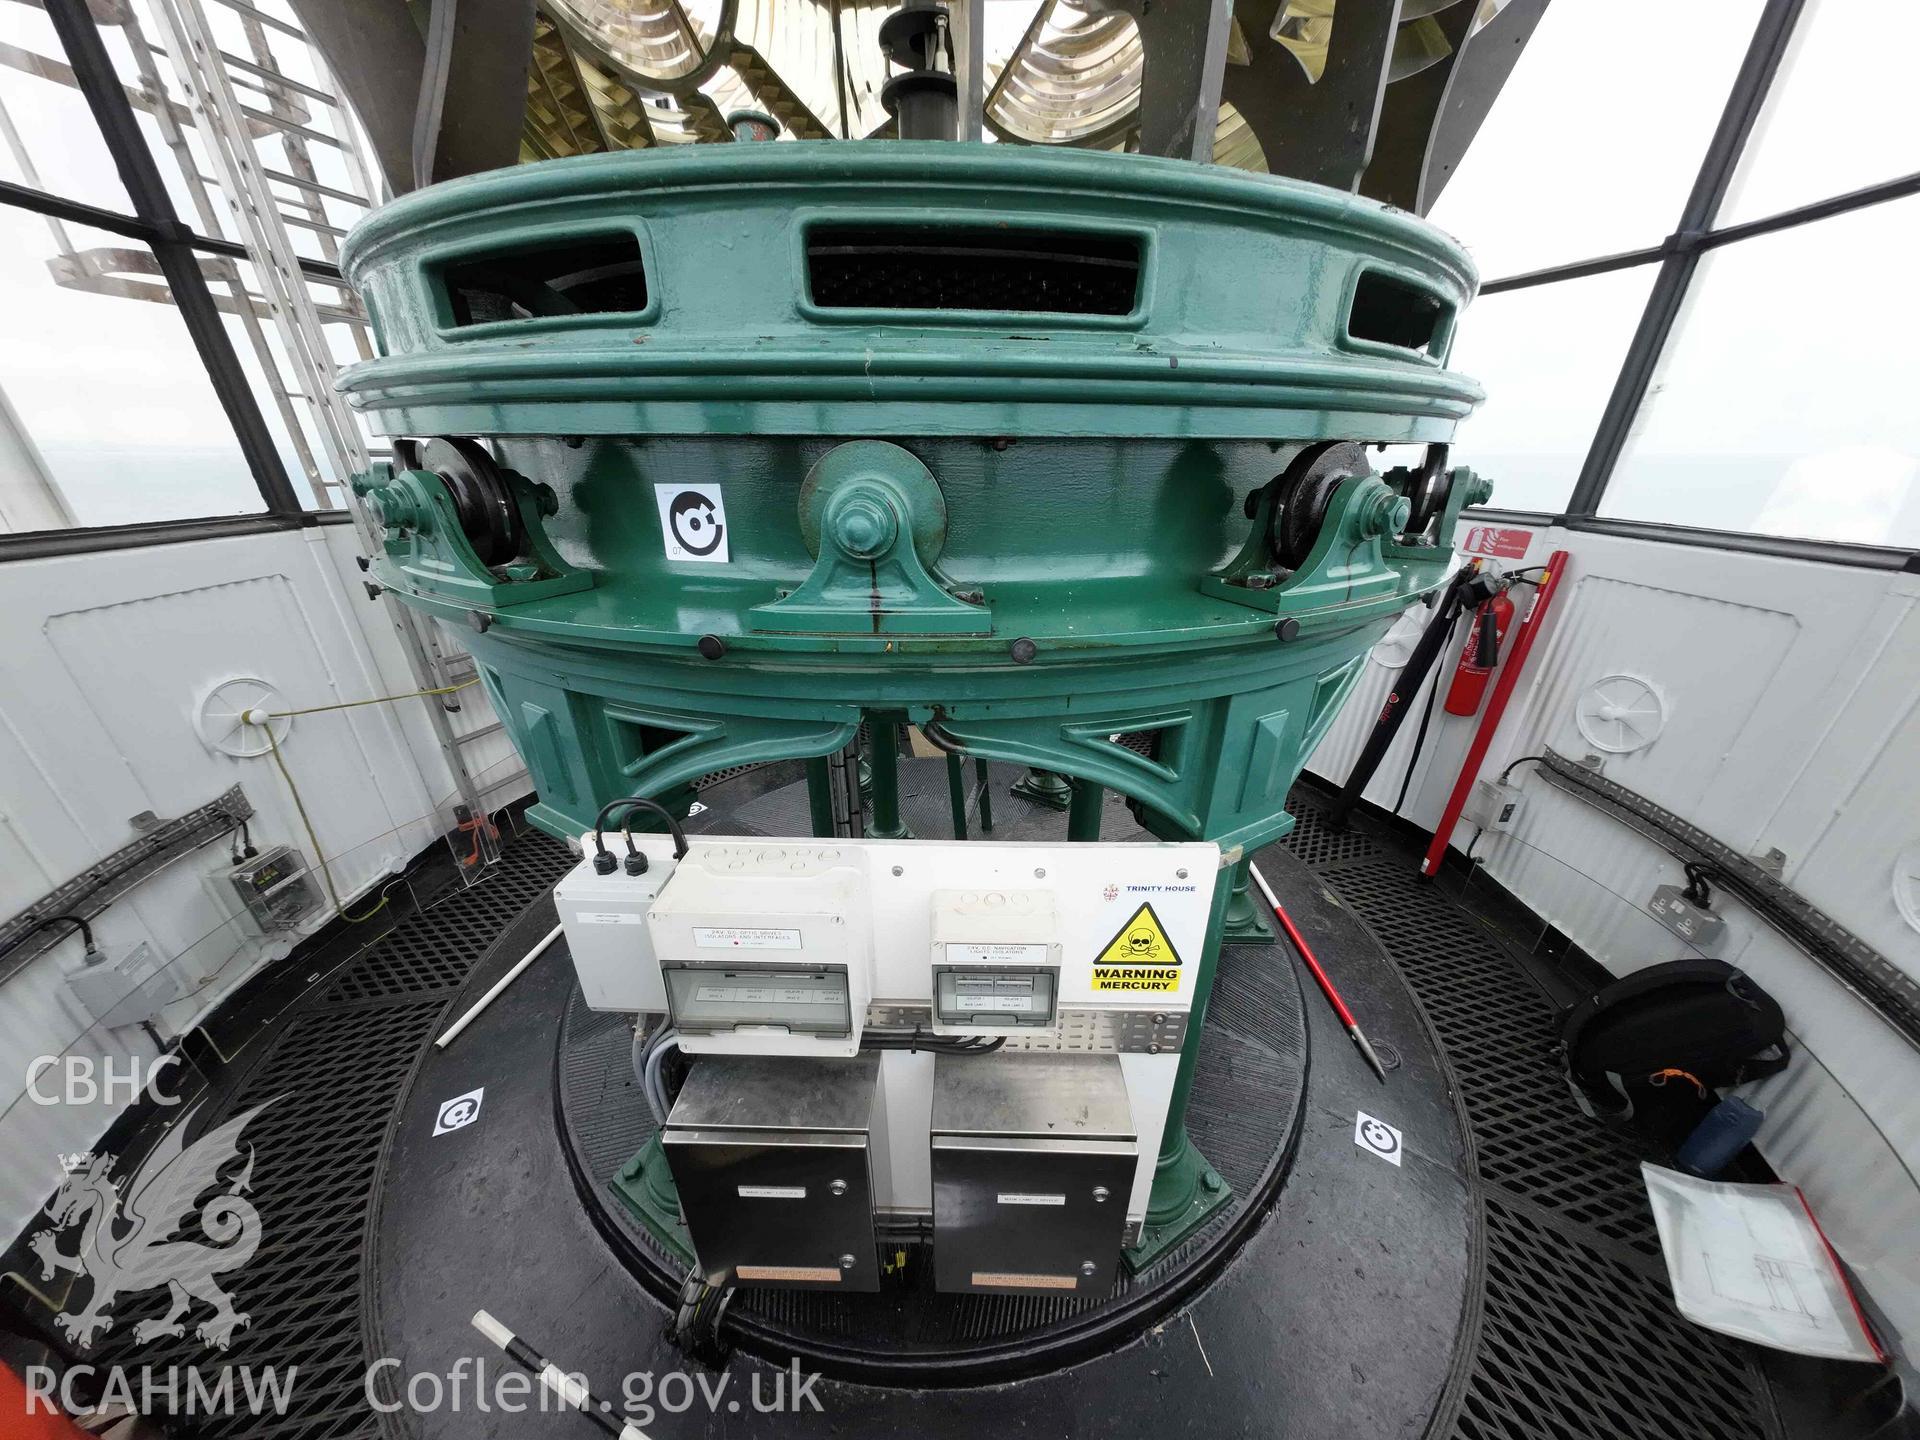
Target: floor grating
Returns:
[[329, 1083], [1579, 1338]]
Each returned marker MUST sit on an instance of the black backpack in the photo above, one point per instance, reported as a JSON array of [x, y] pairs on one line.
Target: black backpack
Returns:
[[1701, 1017]]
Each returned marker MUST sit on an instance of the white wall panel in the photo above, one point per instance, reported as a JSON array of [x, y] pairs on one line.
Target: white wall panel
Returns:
[[1793, 722], [105, 657]]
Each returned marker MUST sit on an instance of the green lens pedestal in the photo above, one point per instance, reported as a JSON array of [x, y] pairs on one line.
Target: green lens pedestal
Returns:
[[1117, 525]]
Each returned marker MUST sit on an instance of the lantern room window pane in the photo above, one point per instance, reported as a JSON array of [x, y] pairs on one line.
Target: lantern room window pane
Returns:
[[48, 139], [1840, 114], [1784, 402], [107, 416], [1547, 356], [1595, 141]]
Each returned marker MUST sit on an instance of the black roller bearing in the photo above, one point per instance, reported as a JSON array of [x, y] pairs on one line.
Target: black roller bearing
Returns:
[[1432, 483], [482, 499], [1306, 492]]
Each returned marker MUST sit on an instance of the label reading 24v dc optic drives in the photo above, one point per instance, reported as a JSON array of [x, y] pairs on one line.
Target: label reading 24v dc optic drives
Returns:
[[1140, 959], [745, 937]]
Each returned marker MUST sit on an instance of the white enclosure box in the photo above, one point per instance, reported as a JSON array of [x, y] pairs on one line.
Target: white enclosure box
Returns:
[[126, 989], [605, 920], [764, 948], [996, 962]]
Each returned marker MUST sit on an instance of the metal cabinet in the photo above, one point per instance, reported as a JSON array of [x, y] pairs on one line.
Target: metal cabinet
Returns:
[[771, 1159], [1033, 1159]]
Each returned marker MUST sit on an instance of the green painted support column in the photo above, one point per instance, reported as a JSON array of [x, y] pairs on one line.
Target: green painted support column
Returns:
[[1247, 922], [1185, 1186], [1083, 816], [957, 794], [820, 795], [1043, 787], [986, 796], [883, 754]]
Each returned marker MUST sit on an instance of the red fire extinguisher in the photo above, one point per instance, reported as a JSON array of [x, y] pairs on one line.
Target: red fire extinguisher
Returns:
[[1479, 655]]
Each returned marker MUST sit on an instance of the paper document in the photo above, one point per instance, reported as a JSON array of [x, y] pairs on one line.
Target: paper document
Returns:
[[1748, 1260]]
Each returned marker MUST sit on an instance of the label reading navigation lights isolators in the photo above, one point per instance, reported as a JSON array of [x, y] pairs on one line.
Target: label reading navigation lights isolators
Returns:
[[968, 952]]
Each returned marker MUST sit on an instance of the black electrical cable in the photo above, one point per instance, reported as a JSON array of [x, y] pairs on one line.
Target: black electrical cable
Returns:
[[1419, 739], [1516, 765], [86, 932], [673, 825], [918, 1039]]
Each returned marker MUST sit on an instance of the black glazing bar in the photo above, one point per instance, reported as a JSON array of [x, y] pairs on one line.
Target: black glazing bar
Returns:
[[172, 245]]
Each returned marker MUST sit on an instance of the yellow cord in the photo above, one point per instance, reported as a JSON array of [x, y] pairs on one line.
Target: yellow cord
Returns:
[[376, 700], [326, 872]]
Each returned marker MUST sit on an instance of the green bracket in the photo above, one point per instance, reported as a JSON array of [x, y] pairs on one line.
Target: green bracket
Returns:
[[1186, 1189], [1466, 487], [425, 551], [1247, 923], [876, 522], [645, 1186], [1252, 569], [1347, 566]]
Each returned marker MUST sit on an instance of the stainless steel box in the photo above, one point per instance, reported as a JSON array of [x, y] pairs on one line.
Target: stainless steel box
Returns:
[[1033, 1159], [771, 1158]]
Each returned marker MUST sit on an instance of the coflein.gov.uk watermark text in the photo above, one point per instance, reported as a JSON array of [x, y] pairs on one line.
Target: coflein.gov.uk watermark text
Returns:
[[470, 1385]]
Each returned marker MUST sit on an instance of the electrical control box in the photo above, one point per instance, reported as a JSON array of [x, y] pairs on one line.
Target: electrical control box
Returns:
[[996, 962], [1033, 1156], [276, 888], [765, 949], [127, 989], [1705, 931], [1494, 805], [605, 919], [799, 949], [771, 1159]]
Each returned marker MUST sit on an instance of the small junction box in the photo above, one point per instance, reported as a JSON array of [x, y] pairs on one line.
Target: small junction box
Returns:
[[605, 919], [996, 962], [764, 949]]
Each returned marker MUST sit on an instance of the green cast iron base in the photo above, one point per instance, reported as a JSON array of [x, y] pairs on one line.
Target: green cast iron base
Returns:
[[1186, 1189], [1247, 923], [1043, 787], [645, 1186]]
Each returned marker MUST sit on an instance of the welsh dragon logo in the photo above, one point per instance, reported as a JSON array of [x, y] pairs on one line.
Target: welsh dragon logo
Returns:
[[128, 1244]]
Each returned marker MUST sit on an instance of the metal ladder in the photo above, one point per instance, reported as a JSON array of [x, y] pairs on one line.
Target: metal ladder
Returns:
[[212, 78]]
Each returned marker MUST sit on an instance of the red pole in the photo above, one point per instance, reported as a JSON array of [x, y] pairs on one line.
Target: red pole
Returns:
[[1496, 707]]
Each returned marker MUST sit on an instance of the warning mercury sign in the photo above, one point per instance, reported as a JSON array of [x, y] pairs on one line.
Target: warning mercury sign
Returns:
[[1139, 959]]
